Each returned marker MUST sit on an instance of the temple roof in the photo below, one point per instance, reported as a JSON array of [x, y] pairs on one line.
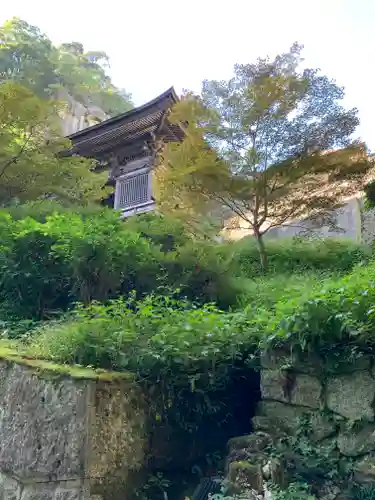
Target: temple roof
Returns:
[[129, 131]]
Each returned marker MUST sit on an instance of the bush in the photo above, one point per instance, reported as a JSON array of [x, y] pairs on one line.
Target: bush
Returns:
[[47, 266], [191, 360], [40, 210], [338, 315], [297, 255], [269, 290], [165, 231], [152, 337], [204, 274]]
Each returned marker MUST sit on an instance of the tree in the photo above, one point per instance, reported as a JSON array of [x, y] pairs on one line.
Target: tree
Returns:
[[31, 166], [262, 147], [26, 56], [29, 57]]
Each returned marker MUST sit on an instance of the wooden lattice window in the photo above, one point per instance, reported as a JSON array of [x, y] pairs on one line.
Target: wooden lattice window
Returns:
[[133, 190]]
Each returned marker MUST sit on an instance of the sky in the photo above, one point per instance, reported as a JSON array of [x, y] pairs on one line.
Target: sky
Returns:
[[153, 45]]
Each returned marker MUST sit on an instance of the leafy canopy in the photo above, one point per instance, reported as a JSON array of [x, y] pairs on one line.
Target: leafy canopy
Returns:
[[31, 167], [261, 147], [30, 58]]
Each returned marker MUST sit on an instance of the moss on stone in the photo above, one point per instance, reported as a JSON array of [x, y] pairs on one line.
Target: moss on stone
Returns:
[[15, 353], [241, 465]]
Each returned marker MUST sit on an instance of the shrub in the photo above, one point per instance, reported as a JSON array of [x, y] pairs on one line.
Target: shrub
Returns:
[[271, 290], [203, 274], [191, 360], [339, 313], [40, 210], [47, 266], [165, 231], [152, 337], [297, 255]]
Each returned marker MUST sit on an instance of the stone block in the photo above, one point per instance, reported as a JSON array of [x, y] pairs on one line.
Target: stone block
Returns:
[[321, 425], [352, 395], [37, 492], [56, 428], [357, 442], [273, 385], [276, 417], [327, 491], [67, 494], [306, 391], [364, 470], [251, 448], [285, 358], [278, 472]]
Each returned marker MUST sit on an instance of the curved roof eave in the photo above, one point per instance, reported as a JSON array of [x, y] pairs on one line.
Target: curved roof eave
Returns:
[[132, 114]]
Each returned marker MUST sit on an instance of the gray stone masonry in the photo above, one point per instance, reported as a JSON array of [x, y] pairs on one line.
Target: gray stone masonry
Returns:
[[63, 438], [320, 413]]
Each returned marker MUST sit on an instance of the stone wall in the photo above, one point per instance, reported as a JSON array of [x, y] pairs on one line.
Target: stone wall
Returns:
[[67, 437], [315, 422]]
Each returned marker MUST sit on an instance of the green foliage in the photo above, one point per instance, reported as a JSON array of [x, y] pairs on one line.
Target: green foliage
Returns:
[[260, 148], [271, 290], [340, 312], [29, 57], [369, 190], [297, 255], [153, 338], [166, 231], [294, 491], [155, 487], [363, 492], [41, 209], [31, 167], [48, 264]]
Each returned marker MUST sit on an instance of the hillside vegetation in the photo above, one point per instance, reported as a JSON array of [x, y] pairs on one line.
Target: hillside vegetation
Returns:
[[156, 296], [185, 316], [28, 57]]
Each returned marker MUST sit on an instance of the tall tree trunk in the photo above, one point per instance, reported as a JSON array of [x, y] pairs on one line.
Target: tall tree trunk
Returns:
[[262, 251]]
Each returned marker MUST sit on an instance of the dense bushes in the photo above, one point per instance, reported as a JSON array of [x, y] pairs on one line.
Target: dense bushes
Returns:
[[161, 336], [191, 361], [341, 312], [153, 337], [297, 255], [47, 265]]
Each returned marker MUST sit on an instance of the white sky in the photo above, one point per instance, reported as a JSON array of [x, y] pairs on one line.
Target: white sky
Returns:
[[153, 45]]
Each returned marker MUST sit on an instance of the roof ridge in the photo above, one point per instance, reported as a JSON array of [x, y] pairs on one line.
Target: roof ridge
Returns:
[[169, 92]]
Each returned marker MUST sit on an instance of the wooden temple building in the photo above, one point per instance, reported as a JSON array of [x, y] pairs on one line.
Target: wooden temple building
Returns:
[[126, 146]]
